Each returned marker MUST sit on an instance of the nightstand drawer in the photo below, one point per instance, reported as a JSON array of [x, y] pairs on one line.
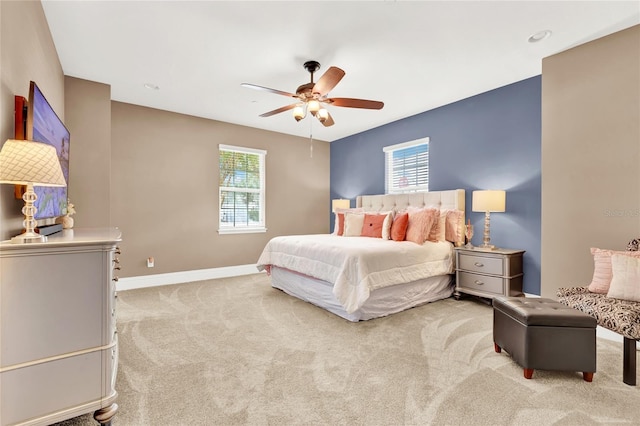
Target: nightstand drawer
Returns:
[[481, 264], [482, 283]]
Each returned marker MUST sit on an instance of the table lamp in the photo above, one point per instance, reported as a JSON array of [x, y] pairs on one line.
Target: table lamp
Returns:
[[488, 201], [30, 163], [340, 203]]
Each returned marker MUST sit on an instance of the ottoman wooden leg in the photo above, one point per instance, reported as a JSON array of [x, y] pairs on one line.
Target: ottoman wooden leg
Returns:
[[528, 373], [497, 348], [588, 377]]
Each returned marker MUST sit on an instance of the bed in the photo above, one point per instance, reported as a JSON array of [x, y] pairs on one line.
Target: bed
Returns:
[[361, 278]]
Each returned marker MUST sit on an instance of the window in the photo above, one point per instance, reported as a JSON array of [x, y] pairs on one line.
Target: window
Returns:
[[407, 166], [241, 189]]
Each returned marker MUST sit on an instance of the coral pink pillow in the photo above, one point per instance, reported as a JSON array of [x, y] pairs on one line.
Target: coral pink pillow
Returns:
[[602, 272], [372, 225], [421, 221], [399, 227]]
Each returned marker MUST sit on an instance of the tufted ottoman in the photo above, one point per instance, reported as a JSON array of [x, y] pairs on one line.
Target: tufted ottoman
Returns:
[[543, 334]]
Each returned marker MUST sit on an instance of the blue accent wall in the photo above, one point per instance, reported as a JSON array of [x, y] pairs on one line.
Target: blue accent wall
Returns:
[[488, 141]]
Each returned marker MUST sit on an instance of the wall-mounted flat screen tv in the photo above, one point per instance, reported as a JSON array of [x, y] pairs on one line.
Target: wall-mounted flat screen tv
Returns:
[[44, 125]]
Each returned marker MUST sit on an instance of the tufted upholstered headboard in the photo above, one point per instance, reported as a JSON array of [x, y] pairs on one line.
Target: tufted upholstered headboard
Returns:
[[442, 200], [451, 199]]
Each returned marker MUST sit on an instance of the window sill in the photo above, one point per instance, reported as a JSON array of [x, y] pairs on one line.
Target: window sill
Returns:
[[225, 231]]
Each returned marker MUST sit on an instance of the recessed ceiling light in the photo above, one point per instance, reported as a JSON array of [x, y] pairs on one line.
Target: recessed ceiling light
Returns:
[[151, 86], [539, 36]]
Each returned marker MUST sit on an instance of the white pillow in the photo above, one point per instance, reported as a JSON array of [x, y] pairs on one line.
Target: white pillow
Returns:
[[336, 224], [353, 224], [386, 226], [625, 283]]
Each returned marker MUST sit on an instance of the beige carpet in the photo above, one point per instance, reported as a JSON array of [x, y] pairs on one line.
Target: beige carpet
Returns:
[[236, 351]]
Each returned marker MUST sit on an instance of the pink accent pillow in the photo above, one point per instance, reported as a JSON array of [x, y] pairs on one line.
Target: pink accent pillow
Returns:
[[602, 272], [438, 228], [454, 227], [625, 283], [372, 225], [421, 221], [399, 227]]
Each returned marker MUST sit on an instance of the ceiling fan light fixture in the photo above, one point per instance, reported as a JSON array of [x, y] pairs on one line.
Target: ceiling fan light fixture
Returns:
[[298, 113], [323, 114], [314, 106]]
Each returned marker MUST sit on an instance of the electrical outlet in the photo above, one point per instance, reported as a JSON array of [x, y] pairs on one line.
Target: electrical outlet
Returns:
[[150, 262]]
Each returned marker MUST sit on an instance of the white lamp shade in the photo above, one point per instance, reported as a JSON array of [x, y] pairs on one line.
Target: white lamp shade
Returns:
[[340, 204], [314, 106], [488, 201], [28, 162]]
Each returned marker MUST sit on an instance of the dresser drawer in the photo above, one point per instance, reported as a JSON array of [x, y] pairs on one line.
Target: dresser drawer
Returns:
[[480, 283], [481, 264]]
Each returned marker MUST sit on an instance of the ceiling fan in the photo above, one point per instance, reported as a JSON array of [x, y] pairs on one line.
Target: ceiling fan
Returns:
[[311, 95]]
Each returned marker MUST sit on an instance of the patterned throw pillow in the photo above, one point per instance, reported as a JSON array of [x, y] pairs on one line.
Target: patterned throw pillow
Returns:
[[634, 245]]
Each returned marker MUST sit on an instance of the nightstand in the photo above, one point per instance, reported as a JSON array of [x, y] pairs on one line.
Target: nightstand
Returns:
[[488, 273]]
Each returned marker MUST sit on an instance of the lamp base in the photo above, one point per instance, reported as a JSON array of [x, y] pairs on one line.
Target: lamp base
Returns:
[[486, 247], [28, 237]]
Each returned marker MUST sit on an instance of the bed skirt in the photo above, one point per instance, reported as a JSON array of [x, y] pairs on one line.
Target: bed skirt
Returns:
[[381, 302]]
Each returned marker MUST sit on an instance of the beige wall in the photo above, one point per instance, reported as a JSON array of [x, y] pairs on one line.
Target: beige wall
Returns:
[[26, 53], [164, 186], [88, 118], [590, 155], [152, 173]]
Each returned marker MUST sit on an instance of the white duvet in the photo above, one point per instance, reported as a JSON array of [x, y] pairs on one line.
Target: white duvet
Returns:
[[357, 265]]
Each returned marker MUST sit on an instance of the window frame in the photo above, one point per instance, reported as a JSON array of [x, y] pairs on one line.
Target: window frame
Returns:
[[247, 229], [388, 163]]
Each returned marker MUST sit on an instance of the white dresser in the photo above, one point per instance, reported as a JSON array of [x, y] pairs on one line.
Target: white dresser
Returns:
[[58, 340]]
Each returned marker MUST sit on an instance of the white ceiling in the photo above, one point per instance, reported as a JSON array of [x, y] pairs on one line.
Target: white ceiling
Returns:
[[413, 56]]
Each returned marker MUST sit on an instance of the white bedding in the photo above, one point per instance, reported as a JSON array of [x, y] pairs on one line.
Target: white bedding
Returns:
[[357, 265]]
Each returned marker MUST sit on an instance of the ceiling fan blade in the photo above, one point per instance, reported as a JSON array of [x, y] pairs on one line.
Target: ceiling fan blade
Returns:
[[327, 121], [355, 103], [278, 111], [328, 81], [266, 89]]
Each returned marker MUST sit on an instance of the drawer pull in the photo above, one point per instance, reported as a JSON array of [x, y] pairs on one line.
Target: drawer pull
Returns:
[[115, 279], [478, 282], [479, 265]]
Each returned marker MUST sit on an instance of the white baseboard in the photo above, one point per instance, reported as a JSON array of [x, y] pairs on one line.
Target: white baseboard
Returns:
[[144, 281]]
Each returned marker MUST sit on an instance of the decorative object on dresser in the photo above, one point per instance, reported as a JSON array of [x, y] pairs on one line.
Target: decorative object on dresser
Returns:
[[67, 221], [488, 273], [488, 201], [468, 233], [58, 341], [30, 163]]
